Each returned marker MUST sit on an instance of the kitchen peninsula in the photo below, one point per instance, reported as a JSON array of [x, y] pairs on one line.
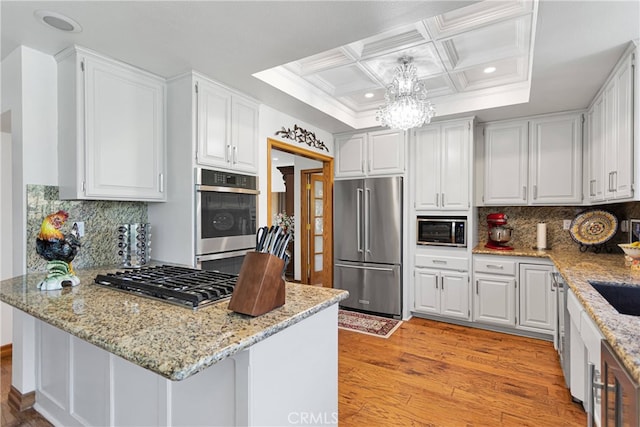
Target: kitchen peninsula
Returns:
[[100, 357]]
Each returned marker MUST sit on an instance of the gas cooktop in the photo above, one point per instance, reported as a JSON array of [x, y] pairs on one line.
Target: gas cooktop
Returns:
[[182, 286]]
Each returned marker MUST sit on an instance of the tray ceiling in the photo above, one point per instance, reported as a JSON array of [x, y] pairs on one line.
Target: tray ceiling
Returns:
[[450, 51]]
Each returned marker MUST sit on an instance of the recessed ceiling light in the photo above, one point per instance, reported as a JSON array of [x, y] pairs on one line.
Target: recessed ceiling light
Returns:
[[57, 21], [368, 95], [489, 70], [275, 158]]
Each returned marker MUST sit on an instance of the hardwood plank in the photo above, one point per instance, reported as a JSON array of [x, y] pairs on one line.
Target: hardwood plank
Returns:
[[436, 374]]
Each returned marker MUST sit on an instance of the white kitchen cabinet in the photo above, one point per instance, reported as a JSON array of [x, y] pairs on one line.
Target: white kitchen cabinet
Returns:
[[585, 339], [227, 128], [537, 298], [442, 292], [609, 157], [555, 159], [494, 290], [494, 300], [441, 284], [535, 161], [370, 154], [442, 165], [111, 142], [505, 163]]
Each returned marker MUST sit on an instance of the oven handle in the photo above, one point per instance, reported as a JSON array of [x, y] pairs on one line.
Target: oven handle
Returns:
[[221, 255], [202, 188]]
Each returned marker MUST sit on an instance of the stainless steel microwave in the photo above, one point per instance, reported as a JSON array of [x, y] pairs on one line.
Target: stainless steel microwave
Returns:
[[441, 231]]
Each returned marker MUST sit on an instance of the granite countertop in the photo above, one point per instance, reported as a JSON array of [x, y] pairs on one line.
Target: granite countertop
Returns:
[[621, 331], [175, 342]]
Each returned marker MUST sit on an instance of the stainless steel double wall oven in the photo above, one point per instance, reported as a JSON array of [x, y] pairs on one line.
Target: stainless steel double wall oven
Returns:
[[226, 215]]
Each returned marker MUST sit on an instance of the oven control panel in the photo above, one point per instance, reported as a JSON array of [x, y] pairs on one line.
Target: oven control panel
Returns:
[[225, 179]]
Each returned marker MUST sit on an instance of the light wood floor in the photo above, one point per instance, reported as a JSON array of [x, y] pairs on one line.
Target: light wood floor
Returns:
[[429, 374], [435, 374]]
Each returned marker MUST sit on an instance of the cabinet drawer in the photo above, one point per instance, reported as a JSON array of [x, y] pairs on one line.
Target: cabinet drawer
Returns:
[[442, 262], [494, 266]]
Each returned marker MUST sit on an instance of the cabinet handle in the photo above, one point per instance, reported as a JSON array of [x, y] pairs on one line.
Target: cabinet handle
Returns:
[[442, 199], [591, 190], [535, 192], [161, 179], [442, 283], [614, 175], [437, 197], [499, 267], [476, 287], [524, 192], [235, 154], [229, 160], [592, 398], [439, 261], [436, 282]]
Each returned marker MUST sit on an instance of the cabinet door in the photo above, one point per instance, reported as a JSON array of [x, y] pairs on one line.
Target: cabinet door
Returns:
[[350, 155], [622, 177], [244, 135], [427, 291], [505, 166], [427, 166], [124, 132], [454, 294], [494, 300], [537, 297], [455, 169], [555, 159], [385, 150], [214, 126], [595, 153], [611, 147]]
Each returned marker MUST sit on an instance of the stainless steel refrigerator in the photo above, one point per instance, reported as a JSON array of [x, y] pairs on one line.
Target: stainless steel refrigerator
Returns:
[[368, 243]]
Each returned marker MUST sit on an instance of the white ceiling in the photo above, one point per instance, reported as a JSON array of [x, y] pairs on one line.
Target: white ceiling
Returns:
[[575, 45]]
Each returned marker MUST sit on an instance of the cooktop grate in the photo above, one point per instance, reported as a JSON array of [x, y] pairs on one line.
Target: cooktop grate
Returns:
[[182, 286]]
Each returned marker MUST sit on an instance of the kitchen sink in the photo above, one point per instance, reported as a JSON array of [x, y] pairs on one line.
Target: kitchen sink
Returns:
[[623, 297]]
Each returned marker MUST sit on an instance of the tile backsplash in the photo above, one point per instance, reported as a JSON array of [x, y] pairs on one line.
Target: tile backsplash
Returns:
[[101, 219], [524, 220]]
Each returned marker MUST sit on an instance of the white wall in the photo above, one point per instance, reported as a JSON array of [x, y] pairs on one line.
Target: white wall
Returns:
[[6, 269], [272, 121], [29, 91]]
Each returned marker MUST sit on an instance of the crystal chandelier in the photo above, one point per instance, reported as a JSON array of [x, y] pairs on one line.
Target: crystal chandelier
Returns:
[[406, 104]]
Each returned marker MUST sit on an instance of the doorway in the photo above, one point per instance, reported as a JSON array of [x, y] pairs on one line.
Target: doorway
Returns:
[[312, 212], [325, 177]]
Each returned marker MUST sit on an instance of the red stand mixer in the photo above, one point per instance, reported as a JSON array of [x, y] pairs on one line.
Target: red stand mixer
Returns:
[[498, 232]]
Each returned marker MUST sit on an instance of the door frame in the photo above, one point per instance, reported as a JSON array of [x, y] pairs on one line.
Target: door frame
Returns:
[[327, 179]]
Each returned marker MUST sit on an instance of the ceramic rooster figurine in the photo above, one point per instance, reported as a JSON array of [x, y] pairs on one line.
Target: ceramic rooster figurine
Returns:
[[59, 250]]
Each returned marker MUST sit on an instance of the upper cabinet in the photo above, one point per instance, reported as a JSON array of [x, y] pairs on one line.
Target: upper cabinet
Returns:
[[370, 154], [609, 154], [533, 162], [442, 165], [227, 128], [111, 142]]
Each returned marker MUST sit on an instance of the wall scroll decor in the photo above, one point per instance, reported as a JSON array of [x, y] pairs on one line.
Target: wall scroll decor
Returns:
[[302, 136]]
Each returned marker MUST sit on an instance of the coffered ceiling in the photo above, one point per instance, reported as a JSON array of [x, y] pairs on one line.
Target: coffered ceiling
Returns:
[[320, 57], [451, 51]]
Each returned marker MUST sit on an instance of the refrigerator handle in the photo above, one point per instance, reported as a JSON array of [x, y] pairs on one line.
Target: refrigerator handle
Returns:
[[359, 197], [367, 220]]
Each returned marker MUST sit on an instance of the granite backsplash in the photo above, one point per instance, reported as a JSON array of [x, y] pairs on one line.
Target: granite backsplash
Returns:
[[524, 220], [101, 219]]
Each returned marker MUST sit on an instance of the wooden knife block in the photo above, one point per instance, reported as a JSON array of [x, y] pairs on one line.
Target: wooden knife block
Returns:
[[260, 287]]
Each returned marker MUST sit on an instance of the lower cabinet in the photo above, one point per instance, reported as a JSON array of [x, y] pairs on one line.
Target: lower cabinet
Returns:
[[442, 292], [585, 339], [514, 292], [441, 284]]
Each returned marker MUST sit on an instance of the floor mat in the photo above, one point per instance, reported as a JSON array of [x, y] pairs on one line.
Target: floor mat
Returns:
[[367, 324]]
